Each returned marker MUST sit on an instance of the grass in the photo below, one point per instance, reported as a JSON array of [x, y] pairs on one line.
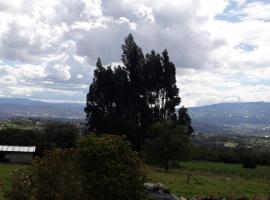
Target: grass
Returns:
[[5, 172], [207, 179], [214, 179], [261, 172]]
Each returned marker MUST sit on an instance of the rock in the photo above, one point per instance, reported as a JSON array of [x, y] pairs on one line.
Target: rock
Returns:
[[159, 192]]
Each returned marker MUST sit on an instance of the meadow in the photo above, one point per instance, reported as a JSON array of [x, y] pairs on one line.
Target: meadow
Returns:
[[207, 179], [214, 179]]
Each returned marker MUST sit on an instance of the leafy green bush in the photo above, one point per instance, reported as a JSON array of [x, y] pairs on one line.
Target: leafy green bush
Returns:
[[111, 170], [99, 168], [20, 185], [55, 176]]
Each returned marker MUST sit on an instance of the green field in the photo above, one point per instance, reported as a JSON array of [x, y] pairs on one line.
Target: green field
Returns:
[[207, 178], [214, 179], [5, 172]]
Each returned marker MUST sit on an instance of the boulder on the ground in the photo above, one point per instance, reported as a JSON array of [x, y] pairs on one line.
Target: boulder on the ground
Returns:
[[158, 192]]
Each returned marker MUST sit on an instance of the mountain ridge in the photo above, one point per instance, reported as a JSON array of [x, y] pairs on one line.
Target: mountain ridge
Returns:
[[247, 118], [244, 118]]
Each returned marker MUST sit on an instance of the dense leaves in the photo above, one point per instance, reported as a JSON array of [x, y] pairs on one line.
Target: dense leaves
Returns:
[[245, 156], [128, 99], [110, 169], [168, 142], [51, 135], [185, 120], [60, 135], [17, 136], [100, 168]]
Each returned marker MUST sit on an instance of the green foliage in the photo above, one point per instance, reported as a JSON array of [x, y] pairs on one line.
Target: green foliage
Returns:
[[185, 120], [231, 155], [55, 176], [128, 99], [5, 173], [168, 142], [17, 136], [99, 168], [111, 170], [60, 135], [52, 135], [20, 187]]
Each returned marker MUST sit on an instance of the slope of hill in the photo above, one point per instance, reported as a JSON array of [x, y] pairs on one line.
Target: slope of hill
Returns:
[[250, 118], [16, 107], [225, 118]]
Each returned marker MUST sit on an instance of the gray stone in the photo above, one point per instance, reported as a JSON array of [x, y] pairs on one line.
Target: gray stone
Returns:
[[158, 192]]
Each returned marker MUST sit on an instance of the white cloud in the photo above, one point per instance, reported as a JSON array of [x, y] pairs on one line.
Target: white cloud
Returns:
[[48, 47]]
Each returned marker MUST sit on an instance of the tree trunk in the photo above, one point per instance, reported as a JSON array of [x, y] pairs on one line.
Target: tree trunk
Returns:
[[167, 165]]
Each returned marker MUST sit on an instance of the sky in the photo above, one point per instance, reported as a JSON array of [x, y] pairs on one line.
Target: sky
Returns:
[[221, 48]]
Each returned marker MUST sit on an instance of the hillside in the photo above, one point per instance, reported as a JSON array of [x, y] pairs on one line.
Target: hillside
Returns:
[[16, 107], [250, 118], [225, 118]]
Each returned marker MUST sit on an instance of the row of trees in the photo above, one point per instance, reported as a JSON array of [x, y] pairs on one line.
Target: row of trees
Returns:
[[242, 155], [127, 99], [55, 134]]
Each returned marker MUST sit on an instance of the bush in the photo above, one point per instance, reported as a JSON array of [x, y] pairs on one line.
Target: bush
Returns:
[[55, 176], [60, 135], [111, 170], [99, 168], [20, 185]]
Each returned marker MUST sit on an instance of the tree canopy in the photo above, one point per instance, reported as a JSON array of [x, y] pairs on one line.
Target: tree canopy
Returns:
[[167, 142], [128, 98]]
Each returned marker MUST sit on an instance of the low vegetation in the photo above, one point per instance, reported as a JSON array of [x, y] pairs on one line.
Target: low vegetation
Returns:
[[167, 143], [214, 179], [207, 179], [98, 168], [6, 171]]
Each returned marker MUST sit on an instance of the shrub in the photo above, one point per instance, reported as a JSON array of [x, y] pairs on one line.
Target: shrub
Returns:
[[111, 170], [55, 176], [99, 168], [20, 185]]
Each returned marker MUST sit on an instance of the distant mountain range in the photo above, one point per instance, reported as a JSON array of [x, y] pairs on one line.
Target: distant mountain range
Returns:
[[252, 118], [225, 118], [16, 107]]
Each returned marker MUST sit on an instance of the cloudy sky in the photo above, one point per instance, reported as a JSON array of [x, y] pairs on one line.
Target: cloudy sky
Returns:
[[221, 48]]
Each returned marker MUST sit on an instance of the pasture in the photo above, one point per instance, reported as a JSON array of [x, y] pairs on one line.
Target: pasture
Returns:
[[207, 179], [214, 179]]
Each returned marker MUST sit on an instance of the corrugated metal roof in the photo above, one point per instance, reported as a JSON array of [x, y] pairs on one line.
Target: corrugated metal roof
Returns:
[[17, 148]]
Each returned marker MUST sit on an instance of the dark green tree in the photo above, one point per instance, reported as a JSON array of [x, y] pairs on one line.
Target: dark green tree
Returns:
[[60, 135], [185, 120], [133, 60], [167, 142], [128, 99]]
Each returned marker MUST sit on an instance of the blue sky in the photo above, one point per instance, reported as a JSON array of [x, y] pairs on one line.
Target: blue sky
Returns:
[[48, 48]]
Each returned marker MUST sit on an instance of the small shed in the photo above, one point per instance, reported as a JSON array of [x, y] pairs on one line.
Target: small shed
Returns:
[[17, 154]]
